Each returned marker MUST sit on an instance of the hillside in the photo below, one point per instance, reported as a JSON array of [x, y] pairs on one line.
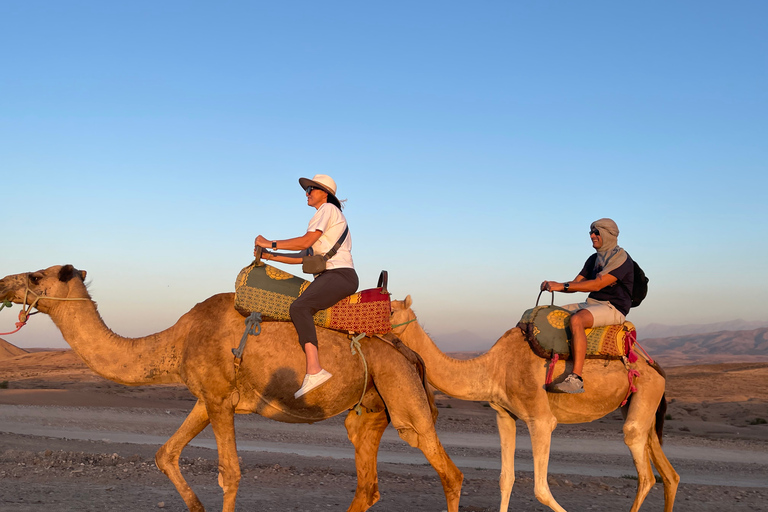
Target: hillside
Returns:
[[710, 348], [8, 351]]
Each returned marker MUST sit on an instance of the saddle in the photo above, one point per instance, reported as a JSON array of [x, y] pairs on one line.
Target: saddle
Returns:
[[547, 330], [270, 291]]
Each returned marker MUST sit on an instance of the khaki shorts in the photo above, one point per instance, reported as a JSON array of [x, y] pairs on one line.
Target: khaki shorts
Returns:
[[603, 312]]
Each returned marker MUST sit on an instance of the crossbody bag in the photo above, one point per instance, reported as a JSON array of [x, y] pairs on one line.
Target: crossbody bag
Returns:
[[316, 263]]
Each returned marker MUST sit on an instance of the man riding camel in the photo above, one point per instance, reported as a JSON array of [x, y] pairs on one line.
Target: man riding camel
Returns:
[[608, 276]]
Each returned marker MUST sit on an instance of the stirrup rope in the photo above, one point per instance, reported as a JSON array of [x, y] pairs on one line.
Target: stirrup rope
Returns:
[[251, 324], [356, 348]]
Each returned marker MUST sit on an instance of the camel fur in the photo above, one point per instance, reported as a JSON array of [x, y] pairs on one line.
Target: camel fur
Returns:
[[197, 351], [511, 378]]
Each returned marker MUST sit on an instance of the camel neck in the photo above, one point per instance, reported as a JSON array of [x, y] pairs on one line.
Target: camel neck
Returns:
[[466, 380], [131, 361]]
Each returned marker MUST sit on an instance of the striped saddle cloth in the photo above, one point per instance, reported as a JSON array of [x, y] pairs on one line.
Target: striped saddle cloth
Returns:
[[547, 330], [270, 291]]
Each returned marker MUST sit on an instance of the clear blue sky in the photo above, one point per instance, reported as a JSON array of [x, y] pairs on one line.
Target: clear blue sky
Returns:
[[150, 142]]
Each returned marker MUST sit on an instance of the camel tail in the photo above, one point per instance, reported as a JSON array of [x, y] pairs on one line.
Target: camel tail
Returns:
[[661, 413]]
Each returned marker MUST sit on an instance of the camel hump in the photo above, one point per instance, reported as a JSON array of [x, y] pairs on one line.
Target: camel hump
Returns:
[[271, 291]]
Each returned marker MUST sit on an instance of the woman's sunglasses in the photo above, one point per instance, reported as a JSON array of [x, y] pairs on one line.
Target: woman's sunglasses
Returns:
[[309, 190], [595, 232]]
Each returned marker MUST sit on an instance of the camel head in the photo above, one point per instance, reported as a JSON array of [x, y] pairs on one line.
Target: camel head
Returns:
[[60, 281], [402, 313]]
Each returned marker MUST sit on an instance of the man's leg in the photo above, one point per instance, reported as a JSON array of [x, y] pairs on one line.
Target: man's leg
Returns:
[[580, 321]]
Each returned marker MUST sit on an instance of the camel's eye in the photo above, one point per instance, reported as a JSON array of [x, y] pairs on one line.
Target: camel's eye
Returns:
[[34, 278]]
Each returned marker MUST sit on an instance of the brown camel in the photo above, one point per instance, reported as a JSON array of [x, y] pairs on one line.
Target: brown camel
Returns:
[[197, 351], [511, 378]]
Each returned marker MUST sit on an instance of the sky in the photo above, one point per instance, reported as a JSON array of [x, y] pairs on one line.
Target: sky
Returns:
[[149, 143]]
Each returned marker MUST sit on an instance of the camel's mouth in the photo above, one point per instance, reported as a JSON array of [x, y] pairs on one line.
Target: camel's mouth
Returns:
[[5, 300], [6, 292]]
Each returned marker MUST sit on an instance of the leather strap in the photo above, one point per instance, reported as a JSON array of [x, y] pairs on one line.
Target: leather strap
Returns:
[[383, 278], [330, 254]]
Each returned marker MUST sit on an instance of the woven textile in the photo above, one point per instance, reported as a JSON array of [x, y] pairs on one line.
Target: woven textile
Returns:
[[271, 292], [547, 329]]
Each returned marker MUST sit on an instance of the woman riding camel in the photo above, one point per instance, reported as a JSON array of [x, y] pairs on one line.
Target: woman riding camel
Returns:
[[326, 229]]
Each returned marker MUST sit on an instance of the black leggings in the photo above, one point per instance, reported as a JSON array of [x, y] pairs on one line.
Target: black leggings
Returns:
[[327, 289]]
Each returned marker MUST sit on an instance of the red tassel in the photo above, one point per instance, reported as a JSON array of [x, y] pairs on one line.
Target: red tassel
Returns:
[[629, 342], [632, 388], [551, 371]]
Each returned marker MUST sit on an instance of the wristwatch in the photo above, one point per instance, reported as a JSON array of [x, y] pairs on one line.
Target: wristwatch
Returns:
[[274, 245], [566, 286]]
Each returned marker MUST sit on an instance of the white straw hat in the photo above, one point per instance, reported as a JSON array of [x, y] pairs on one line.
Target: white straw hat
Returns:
[[321, 181]]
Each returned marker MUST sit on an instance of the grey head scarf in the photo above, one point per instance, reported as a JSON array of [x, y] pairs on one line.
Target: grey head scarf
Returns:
[[609, 256]]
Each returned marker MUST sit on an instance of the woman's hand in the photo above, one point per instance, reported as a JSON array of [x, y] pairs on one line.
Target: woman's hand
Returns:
[[262, 242]]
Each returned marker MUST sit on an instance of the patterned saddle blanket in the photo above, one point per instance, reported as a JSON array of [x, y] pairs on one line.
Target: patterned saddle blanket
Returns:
[[547, 330], [271, 292]]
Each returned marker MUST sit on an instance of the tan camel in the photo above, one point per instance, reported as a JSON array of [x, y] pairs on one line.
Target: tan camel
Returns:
[[511, 378], [197, 351]]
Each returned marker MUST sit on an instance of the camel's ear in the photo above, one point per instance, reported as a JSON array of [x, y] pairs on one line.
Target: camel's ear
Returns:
[[408, 301], [67, 272]]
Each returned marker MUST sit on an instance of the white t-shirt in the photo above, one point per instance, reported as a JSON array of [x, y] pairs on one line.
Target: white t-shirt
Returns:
[[332, 223]]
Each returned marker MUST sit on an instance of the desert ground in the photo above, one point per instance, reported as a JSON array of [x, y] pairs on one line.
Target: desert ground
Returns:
[[72, 441]]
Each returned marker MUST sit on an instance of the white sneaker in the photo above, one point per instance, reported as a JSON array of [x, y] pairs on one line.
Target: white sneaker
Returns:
[[312, 381]]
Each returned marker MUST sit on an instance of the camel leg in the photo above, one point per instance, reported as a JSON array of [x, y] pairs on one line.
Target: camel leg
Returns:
[[508, 438], [221, 412], [408, 406], [668, 474], [365, 431], [638, 429], [541, 429], [167, 457]]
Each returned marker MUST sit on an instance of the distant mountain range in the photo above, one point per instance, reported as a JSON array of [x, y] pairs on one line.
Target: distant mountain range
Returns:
[[721, 346], [666, 331], [466, 341], [713, 347]]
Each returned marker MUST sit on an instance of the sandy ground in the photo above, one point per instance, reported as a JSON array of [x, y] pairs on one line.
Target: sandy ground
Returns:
[[71, 441]]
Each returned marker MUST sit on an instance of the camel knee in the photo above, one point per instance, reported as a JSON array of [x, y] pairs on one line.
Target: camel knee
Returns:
[[506, 481], [229, 478], [633, 433], [644, 485], [409, 435], [165, 460]]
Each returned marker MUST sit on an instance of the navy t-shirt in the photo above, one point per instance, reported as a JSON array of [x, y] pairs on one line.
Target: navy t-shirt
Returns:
[[615, 293]]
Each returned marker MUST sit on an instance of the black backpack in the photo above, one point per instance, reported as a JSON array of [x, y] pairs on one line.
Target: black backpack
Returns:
[[640, 286]]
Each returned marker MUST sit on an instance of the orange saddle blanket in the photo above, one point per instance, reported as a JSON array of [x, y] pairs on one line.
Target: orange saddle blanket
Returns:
[[270, 291]]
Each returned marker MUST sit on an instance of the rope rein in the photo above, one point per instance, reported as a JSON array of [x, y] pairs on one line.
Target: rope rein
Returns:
[[402, 324], [24, 314]]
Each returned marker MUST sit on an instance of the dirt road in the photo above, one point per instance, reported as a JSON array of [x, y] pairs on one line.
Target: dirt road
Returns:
[[81, 458]]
